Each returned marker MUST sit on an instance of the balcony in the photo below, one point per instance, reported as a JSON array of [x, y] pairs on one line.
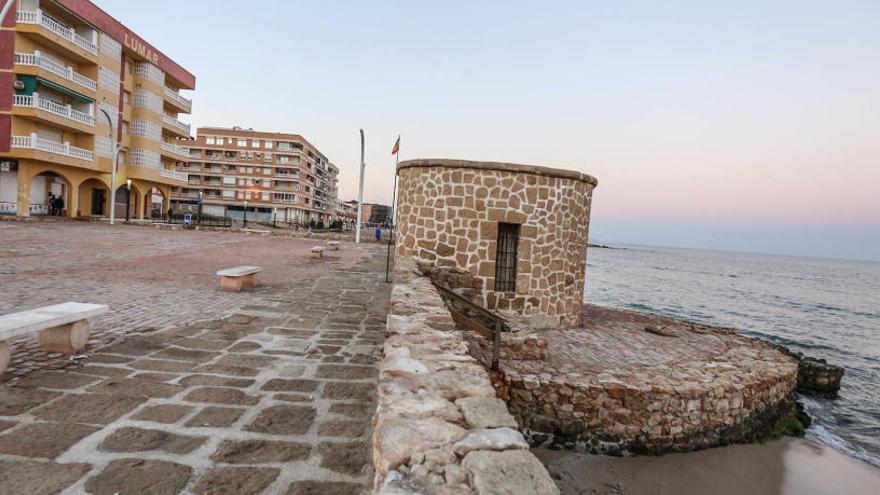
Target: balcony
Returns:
[[173, 174], [179, 101], [33, 142], [42, 104], [176, 125], [175, 151], [36, 60], [38, 18]]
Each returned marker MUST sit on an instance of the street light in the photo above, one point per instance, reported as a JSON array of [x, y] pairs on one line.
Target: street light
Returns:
[[117, 148], [245, 215], [127, 198], [201, 200]]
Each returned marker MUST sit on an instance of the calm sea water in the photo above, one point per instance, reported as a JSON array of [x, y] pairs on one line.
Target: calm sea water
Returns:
[[821, 307]]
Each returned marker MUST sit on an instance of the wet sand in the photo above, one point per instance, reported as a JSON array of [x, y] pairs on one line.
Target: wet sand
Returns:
[[789, 467]]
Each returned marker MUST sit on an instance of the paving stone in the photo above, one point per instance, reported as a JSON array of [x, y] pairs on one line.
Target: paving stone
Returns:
[[485, 412], [292, 332], [38, 478], [139, 477], [136, 387], [215, 417], [259, 452], [245, 360], [14, 401], [342, 428], [294, 397], [163, 413], [109, 359], [202, 344], [179, 354], [132, 348], [290, 385], [5, 425], [236, 480], [222, 396], [156, 377], [106, 371], [324, 488], [227, 370], [357, 410], [346, 372], [292, 371], [55, 379], [88, 408], [215, 381], [245, 347], [514, 472], [349, 458], [46, 440], [348, 391], [283, 420], [162, 365], [129, 439]]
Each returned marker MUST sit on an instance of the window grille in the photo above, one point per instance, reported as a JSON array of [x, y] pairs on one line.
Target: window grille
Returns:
[[505, 257]]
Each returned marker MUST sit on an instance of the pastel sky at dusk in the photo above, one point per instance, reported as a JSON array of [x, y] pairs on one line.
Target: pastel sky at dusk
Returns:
[[747, 125]]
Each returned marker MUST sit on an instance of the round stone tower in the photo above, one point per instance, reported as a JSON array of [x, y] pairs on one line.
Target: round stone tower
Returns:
[[513, 238]]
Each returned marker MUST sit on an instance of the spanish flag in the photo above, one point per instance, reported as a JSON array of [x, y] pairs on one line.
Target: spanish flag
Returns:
[[396, 147]]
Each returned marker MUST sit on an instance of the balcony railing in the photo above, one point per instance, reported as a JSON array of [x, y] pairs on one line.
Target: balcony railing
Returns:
[[37, 17], [173, 174], [34, 101], [175, 123], [36, 143], [37, 60], [177, 150], [174, 95]]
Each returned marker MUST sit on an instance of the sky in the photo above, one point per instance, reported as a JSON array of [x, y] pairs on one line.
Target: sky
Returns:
[[747, 125]]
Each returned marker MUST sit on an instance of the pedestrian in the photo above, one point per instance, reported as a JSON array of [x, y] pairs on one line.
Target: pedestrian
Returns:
[[170, 213], [50, 205], [59, 205]]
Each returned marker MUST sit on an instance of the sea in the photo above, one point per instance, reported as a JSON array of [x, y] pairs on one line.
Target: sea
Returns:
[[825, 308]]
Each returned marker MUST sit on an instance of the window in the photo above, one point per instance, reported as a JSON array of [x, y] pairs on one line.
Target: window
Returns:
[[228, 193], [255, 143], [268, 145], [505, 257], [242, 142], [228, 180]]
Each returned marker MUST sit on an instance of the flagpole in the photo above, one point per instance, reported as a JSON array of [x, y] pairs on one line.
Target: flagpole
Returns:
[[393, 214], [360, 219]]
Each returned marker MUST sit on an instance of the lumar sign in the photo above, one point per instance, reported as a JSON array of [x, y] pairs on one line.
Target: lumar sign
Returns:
[[138, 46]]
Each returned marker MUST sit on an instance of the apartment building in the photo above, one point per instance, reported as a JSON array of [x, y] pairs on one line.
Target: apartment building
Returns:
[[77, 87], [268, 174]]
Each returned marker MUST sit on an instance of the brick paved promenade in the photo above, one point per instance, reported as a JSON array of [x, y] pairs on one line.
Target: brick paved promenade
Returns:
[[198, 391]]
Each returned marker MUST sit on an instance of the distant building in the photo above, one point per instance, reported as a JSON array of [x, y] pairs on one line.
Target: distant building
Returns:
[[377, 214], [74, 77], [346, 212], [273, 175]]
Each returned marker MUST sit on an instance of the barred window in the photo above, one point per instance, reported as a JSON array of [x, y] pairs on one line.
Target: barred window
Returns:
[[505, 257]]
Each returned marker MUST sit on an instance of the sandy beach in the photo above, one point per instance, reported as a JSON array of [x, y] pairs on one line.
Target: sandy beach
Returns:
[[788, 467]]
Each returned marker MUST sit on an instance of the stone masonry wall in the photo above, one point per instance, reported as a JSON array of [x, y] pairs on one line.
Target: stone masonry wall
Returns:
[[439, 428], [449, 213]]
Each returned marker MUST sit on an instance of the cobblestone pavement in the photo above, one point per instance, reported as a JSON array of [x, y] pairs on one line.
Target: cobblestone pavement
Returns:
[[275, 398], [151, 279]]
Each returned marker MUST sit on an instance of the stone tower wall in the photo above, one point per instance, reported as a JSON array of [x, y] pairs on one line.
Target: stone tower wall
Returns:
[[449, 212]]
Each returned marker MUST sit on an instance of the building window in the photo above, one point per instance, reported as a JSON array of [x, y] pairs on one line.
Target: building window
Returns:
[[505, 257], [242, 142], [255, 143]]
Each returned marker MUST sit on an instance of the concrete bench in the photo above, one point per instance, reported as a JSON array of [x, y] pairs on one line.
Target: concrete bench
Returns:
[[334, 245], [62, 327], [238, 278], [318, 252]]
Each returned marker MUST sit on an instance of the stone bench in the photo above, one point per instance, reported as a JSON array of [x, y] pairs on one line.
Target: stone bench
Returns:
[[334, 245], [62, 327], [238, 278], [318, 252]]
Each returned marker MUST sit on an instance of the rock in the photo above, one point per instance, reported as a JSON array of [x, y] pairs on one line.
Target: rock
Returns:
[[395, 440], [661, 330], [485, 412], [454, 474], [817, 376], [490, 439], [513, 472]]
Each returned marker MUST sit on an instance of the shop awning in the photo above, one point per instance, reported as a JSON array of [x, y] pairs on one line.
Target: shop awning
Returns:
[[62, 89]]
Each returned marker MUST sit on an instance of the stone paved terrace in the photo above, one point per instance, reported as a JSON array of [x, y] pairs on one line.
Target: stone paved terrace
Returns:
[[188, 389]]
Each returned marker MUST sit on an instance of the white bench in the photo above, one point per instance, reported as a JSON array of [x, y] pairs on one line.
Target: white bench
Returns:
[[63, 327], [334, 245], [238, 278], [318, 252]]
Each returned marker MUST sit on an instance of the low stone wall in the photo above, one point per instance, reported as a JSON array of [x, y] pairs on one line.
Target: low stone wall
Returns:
[[439, 427]]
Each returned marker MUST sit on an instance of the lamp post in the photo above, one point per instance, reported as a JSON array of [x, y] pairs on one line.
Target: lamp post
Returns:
[[360, 220], [127, 199], [245, 215], [201, 201], [116, 148]]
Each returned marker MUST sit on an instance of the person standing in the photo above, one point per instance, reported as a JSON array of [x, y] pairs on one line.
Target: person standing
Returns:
[[59, 205], [50, 205]]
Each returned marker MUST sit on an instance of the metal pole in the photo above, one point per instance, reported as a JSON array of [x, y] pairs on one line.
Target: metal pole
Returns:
[[115, 161], [360, 220], [245, 215], [201, 201], [393, 205], [127, 200]]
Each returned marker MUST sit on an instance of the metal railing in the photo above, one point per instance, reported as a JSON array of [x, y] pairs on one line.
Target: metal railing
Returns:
[[489, 324], [175, 123], [174, 174], [37, 17], [66, 111], [195, 219], [37, 60], [174, 95], [175, 149]]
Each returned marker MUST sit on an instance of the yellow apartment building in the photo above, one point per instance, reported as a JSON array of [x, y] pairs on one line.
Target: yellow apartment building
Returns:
[[268, 174], [77, 88]]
